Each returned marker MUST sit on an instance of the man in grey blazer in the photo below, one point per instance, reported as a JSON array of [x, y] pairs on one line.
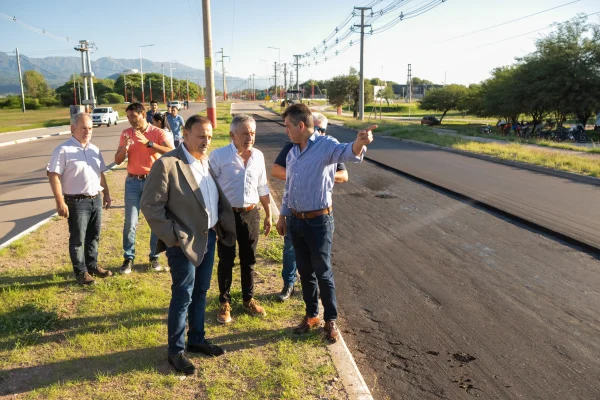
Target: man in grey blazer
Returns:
[[187, 210]]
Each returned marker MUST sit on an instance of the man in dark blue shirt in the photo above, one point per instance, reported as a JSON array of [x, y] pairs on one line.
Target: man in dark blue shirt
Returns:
[[288, 272], [153, 111]]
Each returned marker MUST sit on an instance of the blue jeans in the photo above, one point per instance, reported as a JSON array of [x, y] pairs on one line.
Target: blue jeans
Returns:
[[133, 194], [288, 273], [85, 218], [188, 295], [312, 239]]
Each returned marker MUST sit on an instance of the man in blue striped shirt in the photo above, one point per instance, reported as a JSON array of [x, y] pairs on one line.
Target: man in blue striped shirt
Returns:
[[310, 174]]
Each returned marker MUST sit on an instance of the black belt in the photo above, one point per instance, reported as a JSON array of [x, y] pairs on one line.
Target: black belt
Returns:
[[79, 196], [140, 177], [242, 209]]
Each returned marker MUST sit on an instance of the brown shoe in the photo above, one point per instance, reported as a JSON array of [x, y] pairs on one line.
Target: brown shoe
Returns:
[[253, 308], [99, 272], [332, 331], [307, 324], [224, 314], [85, 279]]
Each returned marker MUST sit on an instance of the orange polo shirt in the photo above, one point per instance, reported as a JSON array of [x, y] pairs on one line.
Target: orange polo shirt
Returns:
[[140, 157]]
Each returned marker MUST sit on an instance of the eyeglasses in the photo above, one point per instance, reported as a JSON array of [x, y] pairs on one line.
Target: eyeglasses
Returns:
[[319, 129]]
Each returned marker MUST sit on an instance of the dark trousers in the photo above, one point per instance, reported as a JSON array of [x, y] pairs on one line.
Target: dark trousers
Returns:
[[188, 295], [85, 217], [312, 239], [247, 225]]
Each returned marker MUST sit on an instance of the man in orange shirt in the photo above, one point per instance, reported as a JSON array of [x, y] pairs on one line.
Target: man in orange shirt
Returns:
[[142, 144]]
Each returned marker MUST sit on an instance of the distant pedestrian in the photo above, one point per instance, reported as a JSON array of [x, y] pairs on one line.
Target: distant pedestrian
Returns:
[[309, 181], [288, 272], [152, 112], [185, 206], [240, 171], [142, 144], [76, 175], [175, 123], [160, 121]]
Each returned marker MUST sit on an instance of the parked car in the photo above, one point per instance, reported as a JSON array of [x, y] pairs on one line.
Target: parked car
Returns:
[[430, 120], [175, 103], [104, 116]]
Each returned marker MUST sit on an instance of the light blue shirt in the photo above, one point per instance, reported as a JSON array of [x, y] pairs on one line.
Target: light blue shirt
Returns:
[[176, 124], [309, 174]]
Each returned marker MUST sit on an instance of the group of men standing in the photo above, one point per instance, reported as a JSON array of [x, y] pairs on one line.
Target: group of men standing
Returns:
[[196, 204]]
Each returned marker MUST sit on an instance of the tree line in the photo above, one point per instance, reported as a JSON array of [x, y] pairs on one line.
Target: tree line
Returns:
[[560, 80]]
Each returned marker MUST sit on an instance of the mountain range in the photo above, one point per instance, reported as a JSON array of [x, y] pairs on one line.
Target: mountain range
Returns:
[[58, 70]]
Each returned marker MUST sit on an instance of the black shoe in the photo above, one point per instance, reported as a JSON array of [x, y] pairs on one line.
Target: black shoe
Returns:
[[205, 348], [182, 364], [126, 267], [286, 292]]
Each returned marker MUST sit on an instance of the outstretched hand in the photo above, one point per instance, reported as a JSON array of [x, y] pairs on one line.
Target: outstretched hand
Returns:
[[365, 136]]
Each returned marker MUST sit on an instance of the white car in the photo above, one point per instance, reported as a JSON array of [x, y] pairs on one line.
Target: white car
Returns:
[[104, 116], [175, 103]]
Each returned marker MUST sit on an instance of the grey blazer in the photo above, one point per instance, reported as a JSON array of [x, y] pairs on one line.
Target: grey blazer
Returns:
[[175, 210]]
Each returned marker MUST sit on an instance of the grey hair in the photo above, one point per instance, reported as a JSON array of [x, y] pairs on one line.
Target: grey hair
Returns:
[[78, 117], [321, 119], [241, 119]]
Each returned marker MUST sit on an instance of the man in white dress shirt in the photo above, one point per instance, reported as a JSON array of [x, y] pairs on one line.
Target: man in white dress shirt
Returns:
[[76, 175], [240, 171]]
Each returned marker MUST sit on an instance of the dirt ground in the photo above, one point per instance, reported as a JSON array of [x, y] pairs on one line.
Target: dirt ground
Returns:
[[442, 300]]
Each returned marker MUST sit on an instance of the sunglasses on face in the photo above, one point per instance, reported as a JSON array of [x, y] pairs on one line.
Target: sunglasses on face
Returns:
[[319, 129]]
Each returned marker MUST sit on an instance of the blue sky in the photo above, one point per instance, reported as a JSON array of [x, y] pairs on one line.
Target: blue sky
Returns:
[[244, 29]]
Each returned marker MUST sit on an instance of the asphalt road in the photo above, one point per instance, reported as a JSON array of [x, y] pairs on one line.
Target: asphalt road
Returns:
[[442, 299], [25, 195]]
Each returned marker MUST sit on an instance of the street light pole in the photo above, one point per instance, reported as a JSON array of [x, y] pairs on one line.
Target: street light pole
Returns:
[[279, 62], [211, 111], [142, 70], [171, 72], [164, 93], [266, 76]]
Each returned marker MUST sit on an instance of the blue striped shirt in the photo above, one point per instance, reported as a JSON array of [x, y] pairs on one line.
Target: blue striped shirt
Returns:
[[309, 174]]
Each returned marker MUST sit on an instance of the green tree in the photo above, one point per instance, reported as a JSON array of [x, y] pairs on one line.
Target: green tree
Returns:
[[339, 89], [419, 81], [450, 97], [35, 84], [387, 93]]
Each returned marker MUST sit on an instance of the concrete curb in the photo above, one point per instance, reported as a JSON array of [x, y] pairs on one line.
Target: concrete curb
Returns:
[[9, 143], [27, 231]]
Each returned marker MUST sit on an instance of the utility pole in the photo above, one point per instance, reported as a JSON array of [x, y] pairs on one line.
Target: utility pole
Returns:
[[79, 91], [150, 86], [124, 86], [223, 56], [142, 71], [361, 96], [285, 77], [275, 78], [163, 87], [187, 89], [211, 111], [297, 56], [86, 66], [20, 79], [409, 87], [74, 91]]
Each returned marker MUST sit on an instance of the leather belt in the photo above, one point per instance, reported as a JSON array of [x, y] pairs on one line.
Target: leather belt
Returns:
[[242, 209], [312, 214], [140, 177], [79, 196]]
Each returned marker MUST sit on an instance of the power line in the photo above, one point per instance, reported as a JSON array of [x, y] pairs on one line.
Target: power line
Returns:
[[537, 30], [510, 22], [33, 28]]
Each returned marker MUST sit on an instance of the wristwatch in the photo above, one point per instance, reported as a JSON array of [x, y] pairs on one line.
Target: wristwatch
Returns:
[[150, 143]]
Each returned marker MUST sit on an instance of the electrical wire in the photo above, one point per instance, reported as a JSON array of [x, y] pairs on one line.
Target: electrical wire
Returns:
[[510, 22], [33, 28], [537, 30]]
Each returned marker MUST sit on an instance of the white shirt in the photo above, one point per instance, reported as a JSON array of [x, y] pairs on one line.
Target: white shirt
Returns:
[[207, 186], [79, 167], [242, 185]]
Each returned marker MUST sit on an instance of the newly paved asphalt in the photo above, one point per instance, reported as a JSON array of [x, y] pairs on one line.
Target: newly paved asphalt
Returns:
[[25, 194]]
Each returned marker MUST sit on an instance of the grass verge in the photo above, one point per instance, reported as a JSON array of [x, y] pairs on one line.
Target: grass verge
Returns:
[[59, 340]]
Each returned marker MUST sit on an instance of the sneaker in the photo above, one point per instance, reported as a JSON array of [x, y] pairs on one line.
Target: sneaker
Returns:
[[286, 292], [224, 314], [182, 364], [307, 324], [99, 272], [205, 347], [155, 265], [253, 307], [85, 279], [331, 331], [126, 267]]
